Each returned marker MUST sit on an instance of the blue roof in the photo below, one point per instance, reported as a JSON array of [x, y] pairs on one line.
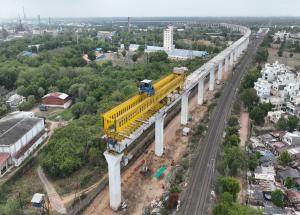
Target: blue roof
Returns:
[[98, 49]]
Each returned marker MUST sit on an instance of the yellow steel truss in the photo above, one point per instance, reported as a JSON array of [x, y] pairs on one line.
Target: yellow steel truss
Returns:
[[125, 118]]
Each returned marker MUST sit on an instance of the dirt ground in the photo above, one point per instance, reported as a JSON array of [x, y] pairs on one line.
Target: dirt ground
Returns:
[[244, 122], [137, 190]]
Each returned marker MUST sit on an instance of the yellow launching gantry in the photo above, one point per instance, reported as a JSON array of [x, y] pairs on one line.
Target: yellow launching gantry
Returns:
[[121, 121]]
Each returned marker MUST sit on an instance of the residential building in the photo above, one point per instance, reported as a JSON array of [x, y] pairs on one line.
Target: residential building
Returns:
[[263, 88], [292, 138], [288, 172], [168, 38], [281, 88], [274, 116]]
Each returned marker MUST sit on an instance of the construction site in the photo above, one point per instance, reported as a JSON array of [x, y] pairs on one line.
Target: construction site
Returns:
[[140, 184], [155, 111]]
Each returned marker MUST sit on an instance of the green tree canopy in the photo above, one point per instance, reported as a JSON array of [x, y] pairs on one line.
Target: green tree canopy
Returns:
[[257, 114], [284, 158], [281, 124], [249, 98], [277, 198], [230, 185], [292, 122]]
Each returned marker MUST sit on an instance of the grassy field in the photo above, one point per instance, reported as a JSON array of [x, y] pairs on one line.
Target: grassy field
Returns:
[[285, 59], [65, 115]]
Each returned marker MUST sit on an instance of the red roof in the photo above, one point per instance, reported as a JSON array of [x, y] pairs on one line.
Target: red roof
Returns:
[[57, 95], [3, 158]]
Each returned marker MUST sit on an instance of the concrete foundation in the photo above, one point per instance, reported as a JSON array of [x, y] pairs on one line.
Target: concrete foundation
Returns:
[[159, 134], [114, 175]]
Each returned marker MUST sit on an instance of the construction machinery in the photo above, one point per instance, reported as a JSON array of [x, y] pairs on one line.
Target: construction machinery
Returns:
[[146, 87], [120, 122]]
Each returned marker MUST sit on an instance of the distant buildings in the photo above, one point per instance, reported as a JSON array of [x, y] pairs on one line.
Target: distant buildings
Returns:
[[169, 48], [105, 34], [57, 99], [20, 134]]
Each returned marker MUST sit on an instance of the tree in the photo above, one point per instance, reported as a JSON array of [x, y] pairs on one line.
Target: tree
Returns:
[[261, 55], [41, 91], [3, 110], [284, 158], [78, 109], [160, 56], [292, 122], [281, 124], [92, 55], [233, 121], [230, 185], [266, 107], [252, 163], [249, 98], [227, 206], [141, 48], [250, 78], [234, 140], [257, 115], [277, 198], [233, 159], [289, 182], [135, 56]]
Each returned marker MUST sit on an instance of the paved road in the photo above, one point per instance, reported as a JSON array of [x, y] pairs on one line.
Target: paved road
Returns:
[[195, 201]]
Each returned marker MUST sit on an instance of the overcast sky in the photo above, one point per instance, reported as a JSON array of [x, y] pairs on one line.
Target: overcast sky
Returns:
[[123, 8]]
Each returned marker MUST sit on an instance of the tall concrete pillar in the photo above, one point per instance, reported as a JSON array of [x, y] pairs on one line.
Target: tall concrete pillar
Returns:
[[212, 77], [220, 70], [159, 134], [201, 92], [231, 58], [234, 55], [226, 64], [184, 108], [114, 176]]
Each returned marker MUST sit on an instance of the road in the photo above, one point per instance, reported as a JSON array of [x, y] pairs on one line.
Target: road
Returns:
[[195, 200], [54, 198]]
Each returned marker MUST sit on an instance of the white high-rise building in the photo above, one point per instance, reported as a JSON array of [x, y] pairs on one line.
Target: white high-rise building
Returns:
[[168, 38]]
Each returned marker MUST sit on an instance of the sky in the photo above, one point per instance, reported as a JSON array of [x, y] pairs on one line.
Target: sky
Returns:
[[146, 8]]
